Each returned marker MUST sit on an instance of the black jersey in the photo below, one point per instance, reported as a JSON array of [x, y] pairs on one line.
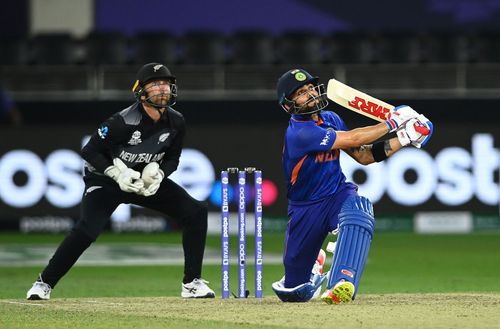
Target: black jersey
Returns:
[[137, 140]]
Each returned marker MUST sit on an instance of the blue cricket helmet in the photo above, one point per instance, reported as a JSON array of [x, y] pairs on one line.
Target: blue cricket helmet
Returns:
[[292, 80]]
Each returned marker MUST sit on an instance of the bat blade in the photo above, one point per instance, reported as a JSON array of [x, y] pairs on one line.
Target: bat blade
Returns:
[[357, 101]]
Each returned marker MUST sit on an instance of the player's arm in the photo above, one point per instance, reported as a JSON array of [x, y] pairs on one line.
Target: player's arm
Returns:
[[364, 153], [312, 138], [397, 121], [97, 152], [360, 136], [367, 135], [171, 160], [414, 132]]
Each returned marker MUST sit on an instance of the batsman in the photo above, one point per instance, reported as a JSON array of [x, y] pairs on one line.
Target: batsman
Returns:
[[320, 200]]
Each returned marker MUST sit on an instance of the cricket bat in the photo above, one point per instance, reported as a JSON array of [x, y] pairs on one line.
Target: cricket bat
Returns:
[[357, 101]]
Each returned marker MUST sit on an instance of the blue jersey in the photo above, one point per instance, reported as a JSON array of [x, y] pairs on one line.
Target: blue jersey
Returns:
[[311, 166]]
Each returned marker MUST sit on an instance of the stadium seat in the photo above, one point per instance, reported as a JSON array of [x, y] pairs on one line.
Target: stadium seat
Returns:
[[444, 47], [302, 47], [485, 47], [155, 46], [106, 48], [395, 47], [349, 48], [252, 47], [53, 49], [203, 48], [13, 50]]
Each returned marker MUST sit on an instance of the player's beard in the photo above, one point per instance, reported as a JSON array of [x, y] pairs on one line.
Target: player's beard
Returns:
[[313, 101], [159, 100], [314, 104]]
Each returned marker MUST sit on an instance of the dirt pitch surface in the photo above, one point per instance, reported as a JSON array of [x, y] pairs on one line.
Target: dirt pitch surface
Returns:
[[368, 311]]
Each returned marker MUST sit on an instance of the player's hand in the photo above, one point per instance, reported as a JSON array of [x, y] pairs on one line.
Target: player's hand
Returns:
[[425, 132], [152, 176], [415, 132], [399, 116], [406, 112], [403, 137], [128, 179]]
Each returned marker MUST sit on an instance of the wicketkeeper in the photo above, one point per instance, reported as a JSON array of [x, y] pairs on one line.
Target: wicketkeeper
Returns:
[[319, 198], [128, 160]]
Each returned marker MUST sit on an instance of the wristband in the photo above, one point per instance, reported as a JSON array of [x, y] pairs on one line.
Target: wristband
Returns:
[[378, 151]]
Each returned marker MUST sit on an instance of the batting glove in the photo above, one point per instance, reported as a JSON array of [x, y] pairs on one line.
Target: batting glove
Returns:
[[127, 178], [399, 116], [425, 130], [403, 137], [415, 132], [152, 176]]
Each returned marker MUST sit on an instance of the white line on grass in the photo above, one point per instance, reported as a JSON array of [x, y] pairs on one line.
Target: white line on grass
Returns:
[[99, 302], [116, 254], [21, 303]]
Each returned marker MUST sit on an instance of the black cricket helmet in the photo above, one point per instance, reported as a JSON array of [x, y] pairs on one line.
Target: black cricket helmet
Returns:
[[294, 79], [151, 72]]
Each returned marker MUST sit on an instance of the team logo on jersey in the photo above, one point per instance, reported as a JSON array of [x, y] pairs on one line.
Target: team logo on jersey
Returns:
[[327, 137], [163, 137], [103, 132], [136, 138], [91, 189]]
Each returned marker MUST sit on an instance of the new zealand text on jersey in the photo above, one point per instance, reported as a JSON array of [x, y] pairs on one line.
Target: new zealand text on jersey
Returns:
[[141, 157]]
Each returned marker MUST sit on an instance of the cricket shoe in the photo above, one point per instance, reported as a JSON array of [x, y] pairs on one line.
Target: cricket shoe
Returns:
[[318, 270], [197, 289], [341, 293], [39, 291]]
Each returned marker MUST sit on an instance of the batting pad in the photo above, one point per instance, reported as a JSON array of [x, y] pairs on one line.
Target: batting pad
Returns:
[[356, 224]]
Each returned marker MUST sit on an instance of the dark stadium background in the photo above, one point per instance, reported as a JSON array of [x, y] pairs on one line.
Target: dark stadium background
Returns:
[[441, 57]]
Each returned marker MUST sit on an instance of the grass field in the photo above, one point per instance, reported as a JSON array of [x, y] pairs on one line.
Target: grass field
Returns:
[[410, 281]]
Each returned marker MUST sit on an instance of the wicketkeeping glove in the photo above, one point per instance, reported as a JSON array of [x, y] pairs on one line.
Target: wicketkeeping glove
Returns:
[[152, 176], [128, 179], [400, 115]]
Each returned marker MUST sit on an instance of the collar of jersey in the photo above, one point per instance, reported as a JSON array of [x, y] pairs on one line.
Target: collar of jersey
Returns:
[[164, 117], [307, 118]]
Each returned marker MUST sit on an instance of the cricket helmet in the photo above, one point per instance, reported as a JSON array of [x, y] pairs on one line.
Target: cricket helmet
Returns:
[[294, 79], [151, 72]]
